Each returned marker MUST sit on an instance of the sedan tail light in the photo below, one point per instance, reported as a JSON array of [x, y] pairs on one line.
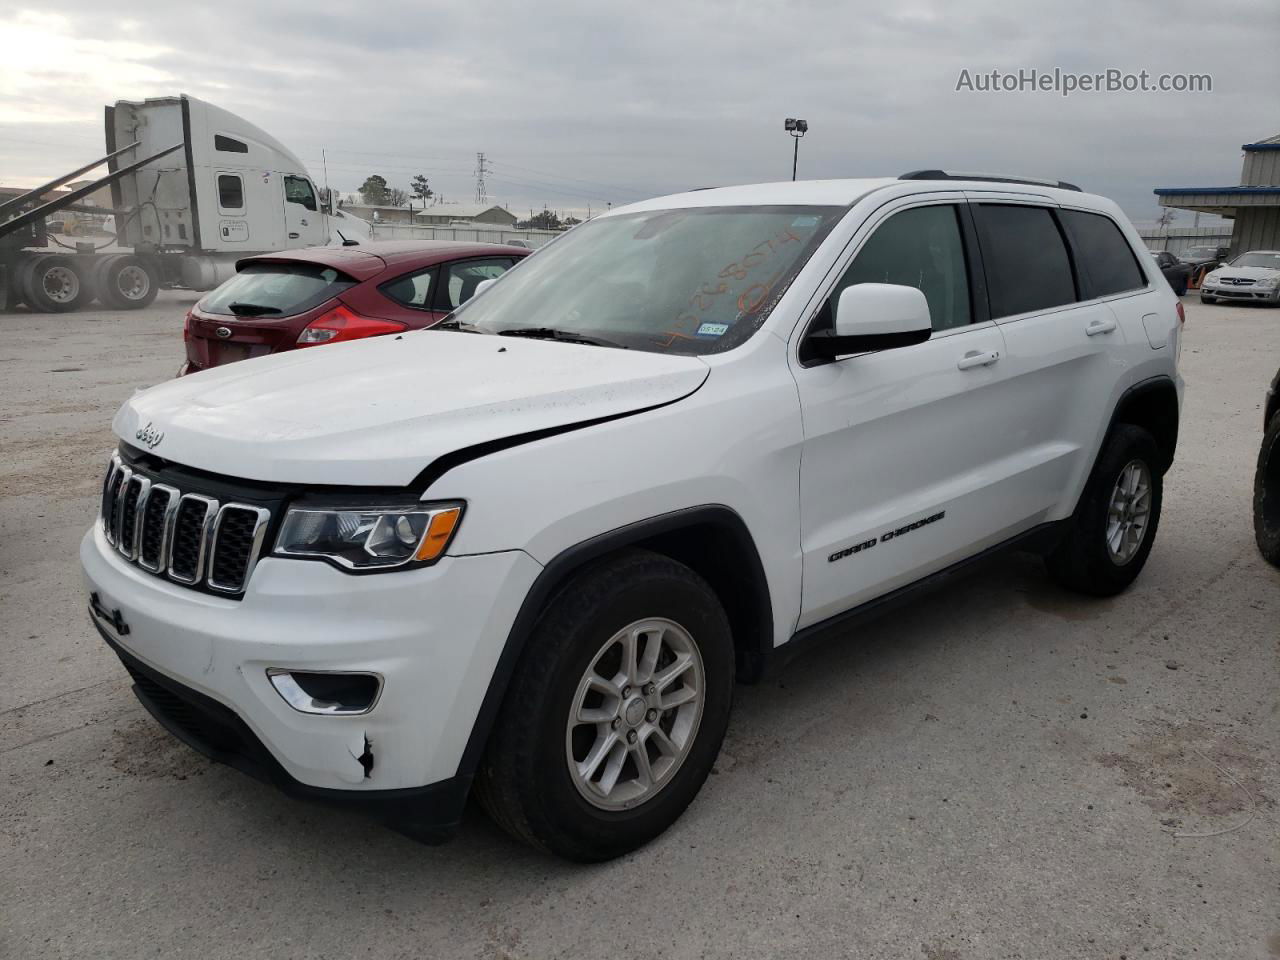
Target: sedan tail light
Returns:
[[186, 328], [1182, 314], [342, 323]]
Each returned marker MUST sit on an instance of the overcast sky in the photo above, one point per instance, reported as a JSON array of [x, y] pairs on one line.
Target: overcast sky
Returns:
[[579, 104]]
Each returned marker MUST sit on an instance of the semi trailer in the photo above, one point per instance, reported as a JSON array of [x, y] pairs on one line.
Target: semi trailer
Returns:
[[193, 189]]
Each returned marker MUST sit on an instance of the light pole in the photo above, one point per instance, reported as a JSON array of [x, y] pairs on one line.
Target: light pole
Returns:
[[797, 129]]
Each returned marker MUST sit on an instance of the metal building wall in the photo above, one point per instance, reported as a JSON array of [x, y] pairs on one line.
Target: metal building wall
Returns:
[[1257, 228], [1261, 169]]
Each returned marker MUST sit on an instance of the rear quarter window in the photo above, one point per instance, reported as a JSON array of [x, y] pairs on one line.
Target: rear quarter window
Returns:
[[1103, 256], [1025, 259], [276, 289]]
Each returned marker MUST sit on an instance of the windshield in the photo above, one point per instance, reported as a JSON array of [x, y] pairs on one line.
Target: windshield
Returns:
[[694, 281], [276, 288], [1270, 261], [1200, 253]]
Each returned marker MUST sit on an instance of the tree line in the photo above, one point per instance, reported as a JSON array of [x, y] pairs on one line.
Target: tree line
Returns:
[[376, 192]]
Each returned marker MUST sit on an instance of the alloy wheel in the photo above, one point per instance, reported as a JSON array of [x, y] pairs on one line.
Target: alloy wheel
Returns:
[[1129, 512], [635, 714]]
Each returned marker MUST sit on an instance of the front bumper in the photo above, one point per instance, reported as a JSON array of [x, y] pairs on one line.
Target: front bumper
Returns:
[[434, 634], [1247, 293]]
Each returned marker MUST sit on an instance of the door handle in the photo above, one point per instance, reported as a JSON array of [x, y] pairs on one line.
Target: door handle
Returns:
[[975, 358], [1099, 326], [293, 236]]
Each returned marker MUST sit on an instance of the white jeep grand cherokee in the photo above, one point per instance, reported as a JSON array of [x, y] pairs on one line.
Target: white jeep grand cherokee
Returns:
[[533, 550]]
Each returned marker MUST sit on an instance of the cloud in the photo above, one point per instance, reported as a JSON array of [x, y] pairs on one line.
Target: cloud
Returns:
[[579, 105]]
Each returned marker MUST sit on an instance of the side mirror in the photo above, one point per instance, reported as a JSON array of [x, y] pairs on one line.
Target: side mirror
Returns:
[[482, 286], [875, 316]]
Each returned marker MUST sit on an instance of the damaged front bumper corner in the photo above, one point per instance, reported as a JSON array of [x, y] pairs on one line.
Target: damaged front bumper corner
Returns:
[[429, 814]]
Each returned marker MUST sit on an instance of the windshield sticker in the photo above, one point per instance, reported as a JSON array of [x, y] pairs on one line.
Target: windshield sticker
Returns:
[[805, 222], [713, 330]]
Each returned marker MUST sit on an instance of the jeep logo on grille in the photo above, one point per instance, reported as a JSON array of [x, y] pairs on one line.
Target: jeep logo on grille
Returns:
[[149, 436]]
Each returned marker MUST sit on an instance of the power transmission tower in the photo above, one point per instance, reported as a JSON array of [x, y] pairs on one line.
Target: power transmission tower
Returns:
[[482, 167]]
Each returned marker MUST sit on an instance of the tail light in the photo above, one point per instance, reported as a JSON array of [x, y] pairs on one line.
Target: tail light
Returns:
[[1182, 314], [186, 328], [342, 323]]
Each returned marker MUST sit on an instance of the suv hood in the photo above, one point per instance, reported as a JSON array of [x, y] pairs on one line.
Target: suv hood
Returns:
[[377, 412]]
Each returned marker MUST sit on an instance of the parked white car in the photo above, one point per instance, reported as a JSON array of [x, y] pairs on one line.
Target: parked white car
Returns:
[[1253, 276], [532, 551]]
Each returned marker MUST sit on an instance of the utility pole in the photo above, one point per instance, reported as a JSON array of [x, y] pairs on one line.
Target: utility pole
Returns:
[[482, 167], [325, 162]]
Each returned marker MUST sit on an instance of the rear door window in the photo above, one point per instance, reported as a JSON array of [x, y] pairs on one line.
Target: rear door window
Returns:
[[413, 289], [1103, 256], [1025, 258], [459, 280], [276, 289]]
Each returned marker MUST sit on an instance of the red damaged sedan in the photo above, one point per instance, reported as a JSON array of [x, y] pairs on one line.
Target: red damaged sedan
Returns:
[[304, 298]]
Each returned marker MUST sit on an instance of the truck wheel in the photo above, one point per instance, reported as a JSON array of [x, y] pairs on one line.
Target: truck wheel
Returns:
[[615, 712], [128, 283], [1266, 494], [1111, 532], [55, 284]]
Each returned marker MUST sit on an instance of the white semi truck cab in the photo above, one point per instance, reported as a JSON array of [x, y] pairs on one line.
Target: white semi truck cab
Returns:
[[194, 188]]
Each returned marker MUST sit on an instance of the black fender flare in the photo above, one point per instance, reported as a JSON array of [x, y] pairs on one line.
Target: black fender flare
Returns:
[[570, 559]]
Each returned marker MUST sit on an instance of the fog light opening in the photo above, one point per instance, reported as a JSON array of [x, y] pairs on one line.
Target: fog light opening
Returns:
[[327, 692]]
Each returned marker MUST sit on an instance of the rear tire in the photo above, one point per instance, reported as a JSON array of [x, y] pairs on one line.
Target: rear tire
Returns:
[[1266, 494], [128, 282], [573, 699], [1114, 525], [54, 283]]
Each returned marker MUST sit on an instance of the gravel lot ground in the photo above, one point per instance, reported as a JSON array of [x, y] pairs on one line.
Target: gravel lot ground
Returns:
[[999, 772]]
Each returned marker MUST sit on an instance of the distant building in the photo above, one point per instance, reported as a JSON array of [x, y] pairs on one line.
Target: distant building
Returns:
[[441, 214], [1253, 204], [436, 215]]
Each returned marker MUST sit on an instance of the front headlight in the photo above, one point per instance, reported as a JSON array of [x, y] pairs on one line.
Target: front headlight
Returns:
[[369, 538], [1268, 283]]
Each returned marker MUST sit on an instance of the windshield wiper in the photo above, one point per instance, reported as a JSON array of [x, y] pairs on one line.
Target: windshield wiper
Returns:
[[251, 309], [564, 336], [453, 323]]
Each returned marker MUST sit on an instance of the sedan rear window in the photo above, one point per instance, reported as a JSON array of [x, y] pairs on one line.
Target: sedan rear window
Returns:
[[276, 289]]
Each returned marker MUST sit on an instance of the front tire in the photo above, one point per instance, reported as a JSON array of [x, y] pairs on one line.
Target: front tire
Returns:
[[615, 713], [1205, 298], [1266, 494], [1114, 525]]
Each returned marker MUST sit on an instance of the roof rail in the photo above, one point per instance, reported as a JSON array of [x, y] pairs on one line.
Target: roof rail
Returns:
[[943, 175]]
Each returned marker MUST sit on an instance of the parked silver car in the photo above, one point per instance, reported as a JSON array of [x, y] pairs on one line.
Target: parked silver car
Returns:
[[1251, 276]]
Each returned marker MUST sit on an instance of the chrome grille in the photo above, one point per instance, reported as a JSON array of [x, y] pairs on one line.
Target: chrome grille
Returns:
[[189, 538]]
